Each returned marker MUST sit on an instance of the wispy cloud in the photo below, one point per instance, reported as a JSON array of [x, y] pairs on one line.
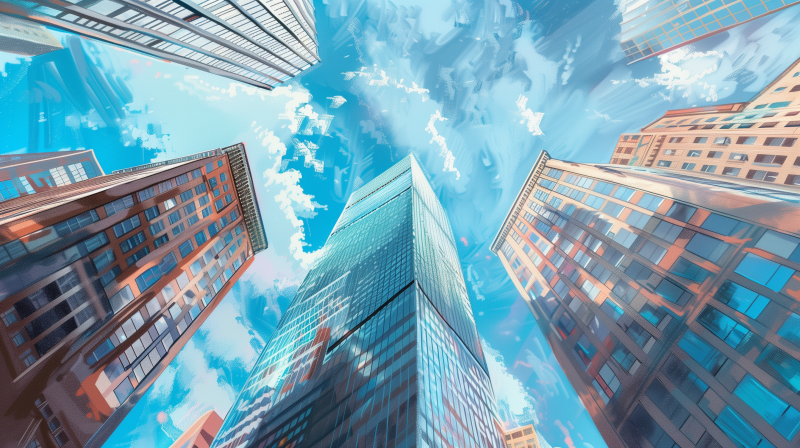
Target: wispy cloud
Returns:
[[531, 119], [515, 405], [337, 101], [379, 78], [449, 158]]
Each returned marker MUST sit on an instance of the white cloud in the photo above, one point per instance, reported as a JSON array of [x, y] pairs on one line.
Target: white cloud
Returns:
[[515, 405], [568, 60], [292, 199], [682, 72], [337, 101], [534, 119], [379, 78], [449, 158], [597, 115], [475, 282]]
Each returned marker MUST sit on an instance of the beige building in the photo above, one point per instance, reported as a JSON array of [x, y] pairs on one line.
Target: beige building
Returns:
[[754, 140], [522, 437]]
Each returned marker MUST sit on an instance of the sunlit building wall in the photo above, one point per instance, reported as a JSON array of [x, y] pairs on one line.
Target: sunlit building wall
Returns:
[[103, 281], [670, 299], [25, 174], [25, 38], [653, 27], [754, 140], [522, 437], [259, 43], [379, 347], [201, 433]]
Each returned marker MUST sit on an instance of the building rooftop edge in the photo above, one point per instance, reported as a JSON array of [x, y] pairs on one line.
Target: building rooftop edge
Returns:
[[541, 159]]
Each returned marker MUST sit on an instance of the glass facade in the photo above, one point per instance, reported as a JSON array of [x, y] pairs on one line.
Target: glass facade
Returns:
[[258, 43], [651, 27], [669, 301], [378, 347]]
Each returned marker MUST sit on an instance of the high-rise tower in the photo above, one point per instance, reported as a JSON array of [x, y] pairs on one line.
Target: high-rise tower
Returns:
[[254, 42], [379, 347], [103, 281], [653, 27], [670, 299]]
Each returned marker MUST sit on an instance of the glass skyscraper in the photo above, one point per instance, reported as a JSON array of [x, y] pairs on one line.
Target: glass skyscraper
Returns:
[[653, 27], [379, 347], [670, 299], [259, 43]]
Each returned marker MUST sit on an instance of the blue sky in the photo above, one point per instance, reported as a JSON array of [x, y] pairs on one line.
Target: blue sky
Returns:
[[474, 89]]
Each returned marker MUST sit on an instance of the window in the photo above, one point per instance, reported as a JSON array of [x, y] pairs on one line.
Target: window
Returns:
[[152, 275], [764, 272], [793, 124], [18, 339], [110, 275], [784, 418], [724, 141], [121, 298], [769, 124], [119, 205], [746, 125], [213, 229], [664, 163], [138, 255], [126, 226], [688, 166], [700, 139], [790, 330], [186, 195], [672, 292], [200, 238], [738, 156], [200, 189], [637, 219], [728, 171], [779, 89], [594, 201], [780, 244], [157, 227], [606, 383], [146, 194], [681, 212], [132, 242], [780, 141], [185, 248], [675, 139], [766, 176], [725, 328], [151, 213], [169, 203], [671, 152], [623, 193], [9, 317], [686, 269], [103, 259], [770, 159], [741, 299], [68, 226], [177, 230], [740, 432], [792, 179], [714, 154], [708, 168], [652, 252], [667, 232], [694, 153], [175, 217], [723, 225], [160, 240]]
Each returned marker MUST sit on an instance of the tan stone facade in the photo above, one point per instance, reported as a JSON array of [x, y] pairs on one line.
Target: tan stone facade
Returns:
[[755, 140]]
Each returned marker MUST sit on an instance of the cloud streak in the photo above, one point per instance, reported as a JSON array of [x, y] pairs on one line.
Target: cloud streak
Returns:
[[449, 158]]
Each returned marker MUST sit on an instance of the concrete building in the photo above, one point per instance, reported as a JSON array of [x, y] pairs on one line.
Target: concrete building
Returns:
[[522, 437], [670, 299], [379, 346], [25, 174], [259, 43], [653, 27], [201, 433], [25, 38], [103, 281], [754, 140]]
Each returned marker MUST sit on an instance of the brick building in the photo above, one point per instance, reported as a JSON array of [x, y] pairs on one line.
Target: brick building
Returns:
[[103, 281]]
